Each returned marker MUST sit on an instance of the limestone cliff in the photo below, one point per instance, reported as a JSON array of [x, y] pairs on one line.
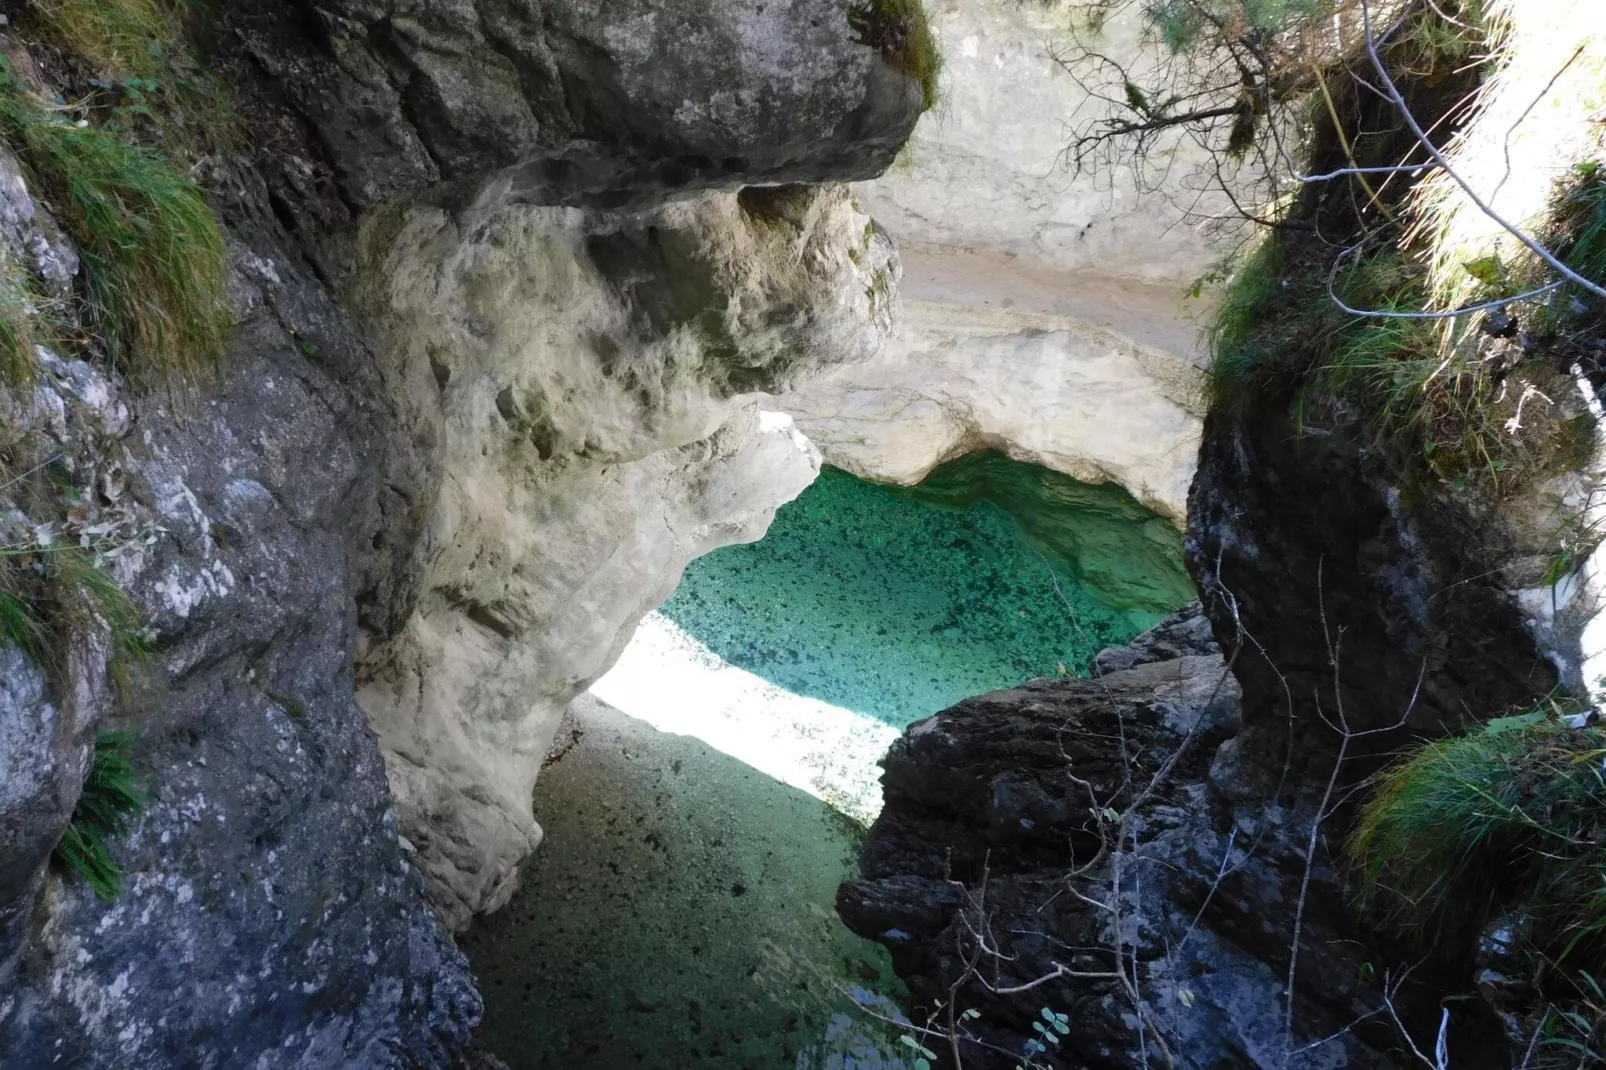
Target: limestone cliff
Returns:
[[1043, 308], [586, 379]]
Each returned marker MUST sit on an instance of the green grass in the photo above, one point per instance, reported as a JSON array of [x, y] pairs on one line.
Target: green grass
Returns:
[[110, 800], [1277, 333], [123, 36], [901, 31], [153, 255], [49, 594], [19, 325], [1509, 817]]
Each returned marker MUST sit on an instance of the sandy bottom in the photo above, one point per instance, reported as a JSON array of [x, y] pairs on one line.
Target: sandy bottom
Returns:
[[679, 914]]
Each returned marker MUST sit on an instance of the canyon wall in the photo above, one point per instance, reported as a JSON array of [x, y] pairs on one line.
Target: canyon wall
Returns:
[[502, 322], [1171, 874], [1044, 311]]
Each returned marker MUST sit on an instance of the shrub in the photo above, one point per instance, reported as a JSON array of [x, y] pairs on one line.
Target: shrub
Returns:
[[110, 800], [1506, 818]]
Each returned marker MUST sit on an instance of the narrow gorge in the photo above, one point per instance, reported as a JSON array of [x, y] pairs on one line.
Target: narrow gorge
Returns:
[[1015, 534]]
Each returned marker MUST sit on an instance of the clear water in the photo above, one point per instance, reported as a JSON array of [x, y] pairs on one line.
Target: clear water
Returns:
[[680, 912], [890, 604]]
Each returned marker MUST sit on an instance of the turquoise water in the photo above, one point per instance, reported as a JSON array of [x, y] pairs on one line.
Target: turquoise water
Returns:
[[680, 911], [888, 603]]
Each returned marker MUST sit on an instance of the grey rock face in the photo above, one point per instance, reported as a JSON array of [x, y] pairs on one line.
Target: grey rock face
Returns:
[[1185, 633], [268, 916], [586, 101], [993, 868], [42, 757], [1296, 538]]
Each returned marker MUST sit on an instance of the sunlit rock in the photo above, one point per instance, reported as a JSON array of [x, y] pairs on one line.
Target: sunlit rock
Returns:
[[587, 379]]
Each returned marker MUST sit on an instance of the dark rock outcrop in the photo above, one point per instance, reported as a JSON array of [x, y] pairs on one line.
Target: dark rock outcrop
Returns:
[[1034, 838], [1184, 633], [1357, 611], [269, 916], [995, 866], [1313, 548], [582, 101]]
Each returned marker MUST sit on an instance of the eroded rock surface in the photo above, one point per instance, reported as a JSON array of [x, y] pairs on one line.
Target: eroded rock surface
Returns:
[[1043, 308], [987, 168], [587, 380], [1077, 373]]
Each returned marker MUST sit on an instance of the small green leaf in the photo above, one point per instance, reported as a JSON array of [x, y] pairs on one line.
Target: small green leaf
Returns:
[[1186, 996], [1486, 269], [1511, 724], [1136, 100]]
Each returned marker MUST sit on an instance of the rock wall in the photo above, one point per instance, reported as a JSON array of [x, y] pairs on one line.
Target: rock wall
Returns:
[[269, 916], [1044, 312], [984, 834], [587, 378], [502, 318]]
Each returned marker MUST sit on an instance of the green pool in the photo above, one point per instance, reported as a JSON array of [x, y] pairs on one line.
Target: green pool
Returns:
[[898, 602]]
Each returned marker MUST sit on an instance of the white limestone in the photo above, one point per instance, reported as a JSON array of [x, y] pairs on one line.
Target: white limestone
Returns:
[[591, 380], [1043, 309]]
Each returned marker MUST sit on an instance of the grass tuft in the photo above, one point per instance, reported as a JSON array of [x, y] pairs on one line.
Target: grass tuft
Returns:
[[119, 36], [49, 594], [19, 325], [153, 256], [110, 800], [901, 31], [154, 260], [1506, 818]]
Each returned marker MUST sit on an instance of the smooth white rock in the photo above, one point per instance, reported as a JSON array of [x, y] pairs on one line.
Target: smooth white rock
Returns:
[[986, 168], [1075, 372], [1043, 310], [592, 381]]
